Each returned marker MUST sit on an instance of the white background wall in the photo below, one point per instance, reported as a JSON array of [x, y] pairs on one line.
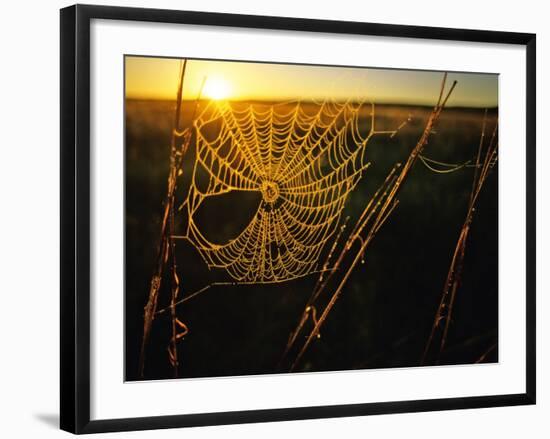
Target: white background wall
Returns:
[[29, 237]]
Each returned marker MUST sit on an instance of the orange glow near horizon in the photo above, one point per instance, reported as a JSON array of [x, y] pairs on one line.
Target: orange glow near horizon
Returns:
[[157, 78], [217, 89]]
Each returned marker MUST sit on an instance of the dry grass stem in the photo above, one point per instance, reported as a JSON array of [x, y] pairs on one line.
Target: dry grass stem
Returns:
[[373, 217], [485, 160]]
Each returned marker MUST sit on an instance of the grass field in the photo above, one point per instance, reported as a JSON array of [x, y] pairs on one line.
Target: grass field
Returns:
[[383, 317]]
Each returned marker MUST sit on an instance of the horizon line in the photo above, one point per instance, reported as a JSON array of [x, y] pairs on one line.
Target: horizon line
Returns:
[[313, 101]]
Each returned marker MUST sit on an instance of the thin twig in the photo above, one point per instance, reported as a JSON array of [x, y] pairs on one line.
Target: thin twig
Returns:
[[486, 353], [387, 206], [454, 275], [166, 245], [354, 236]]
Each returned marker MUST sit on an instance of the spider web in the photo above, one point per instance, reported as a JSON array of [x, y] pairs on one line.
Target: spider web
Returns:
[[304, 158]]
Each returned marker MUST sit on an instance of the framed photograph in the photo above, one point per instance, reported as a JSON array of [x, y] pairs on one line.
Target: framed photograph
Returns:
[[268, 218]]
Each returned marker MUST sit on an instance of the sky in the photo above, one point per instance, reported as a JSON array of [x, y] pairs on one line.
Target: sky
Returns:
[[157, 78]]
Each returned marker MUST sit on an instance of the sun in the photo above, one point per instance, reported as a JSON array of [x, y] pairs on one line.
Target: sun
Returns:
[[217, 88]]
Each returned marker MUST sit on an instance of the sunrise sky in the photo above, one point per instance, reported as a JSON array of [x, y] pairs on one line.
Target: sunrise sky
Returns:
[[157, 78]]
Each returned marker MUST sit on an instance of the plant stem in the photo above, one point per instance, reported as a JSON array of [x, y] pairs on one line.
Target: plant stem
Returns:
[[388, 205], [166, 244], [454, 275]]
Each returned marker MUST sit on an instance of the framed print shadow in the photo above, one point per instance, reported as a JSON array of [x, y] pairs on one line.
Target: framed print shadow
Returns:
[[268, 218]]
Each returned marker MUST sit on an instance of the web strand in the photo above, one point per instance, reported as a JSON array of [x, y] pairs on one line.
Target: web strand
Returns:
[[303, 158]]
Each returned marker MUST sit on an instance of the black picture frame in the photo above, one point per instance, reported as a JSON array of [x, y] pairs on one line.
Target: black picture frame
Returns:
[[75, 217]]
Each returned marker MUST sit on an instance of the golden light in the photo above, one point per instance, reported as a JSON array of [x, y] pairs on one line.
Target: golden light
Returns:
[[216, 88]]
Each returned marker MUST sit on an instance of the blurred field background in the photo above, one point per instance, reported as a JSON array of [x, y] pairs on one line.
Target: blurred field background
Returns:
[[385, 313]]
